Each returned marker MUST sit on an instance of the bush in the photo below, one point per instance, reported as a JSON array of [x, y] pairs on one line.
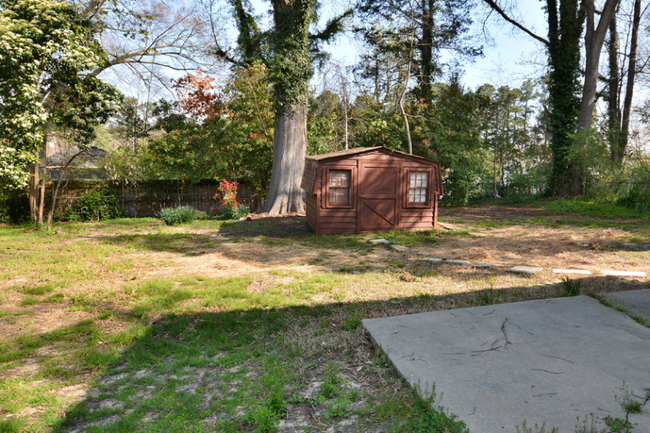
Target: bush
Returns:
[[94, 206], [14, 207], [180, 215], [233, 212]]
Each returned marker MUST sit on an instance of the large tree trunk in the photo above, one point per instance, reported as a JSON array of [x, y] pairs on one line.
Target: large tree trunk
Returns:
[[426, 48], [629, 89], [594, 39], [289, 151], [34, 171], [613, 112], [291, 72]]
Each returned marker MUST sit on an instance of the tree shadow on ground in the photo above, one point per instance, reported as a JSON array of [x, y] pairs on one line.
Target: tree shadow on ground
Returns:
[[234, 371]]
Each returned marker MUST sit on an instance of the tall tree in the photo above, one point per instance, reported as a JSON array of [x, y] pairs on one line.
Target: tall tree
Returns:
[[435, 25], [619, 117], [570, 113], [46, 52], [292, 50]]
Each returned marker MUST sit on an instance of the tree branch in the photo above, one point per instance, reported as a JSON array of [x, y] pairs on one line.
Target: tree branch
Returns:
[[505, 16]]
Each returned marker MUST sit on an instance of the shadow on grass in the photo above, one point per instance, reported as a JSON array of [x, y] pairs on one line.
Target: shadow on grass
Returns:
[[241, 240], [242, 370]]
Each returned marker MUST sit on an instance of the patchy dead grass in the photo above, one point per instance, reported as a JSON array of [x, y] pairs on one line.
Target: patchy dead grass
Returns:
[[135, 303]]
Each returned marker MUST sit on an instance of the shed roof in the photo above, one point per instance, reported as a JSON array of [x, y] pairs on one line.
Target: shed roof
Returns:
[[359, 150], [311, 163]]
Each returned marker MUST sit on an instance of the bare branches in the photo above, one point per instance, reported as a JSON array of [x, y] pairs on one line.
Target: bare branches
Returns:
[[495, 7]]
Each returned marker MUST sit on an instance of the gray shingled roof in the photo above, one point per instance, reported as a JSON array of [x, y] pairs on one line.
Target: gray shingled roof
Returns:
[[356, 151]]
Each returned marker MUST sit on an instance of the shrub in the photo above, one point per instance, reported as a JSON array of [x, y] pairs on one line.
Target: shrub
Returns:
[[94, 206], [180, 215], [230, 208], [233, 213], [14, 207]]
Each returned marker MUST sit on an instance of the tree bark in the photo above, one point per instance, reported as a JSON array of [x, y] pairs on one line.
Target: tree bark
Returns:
[[613, 112], [594, 39], [291, 68], [55, 193], [426, 48], [629, 89], [33, 191], [289, 151], [41, 204]]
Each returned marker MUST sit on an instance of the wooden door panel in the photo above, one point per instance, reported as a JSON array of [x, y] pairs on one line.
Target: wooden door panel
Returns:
[[378, 197], [379, 182], [378, 214]]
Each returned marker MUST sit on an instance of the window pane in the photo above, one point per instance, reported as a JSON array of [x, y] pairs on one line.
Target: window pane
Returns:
[[340, 195], [419, 180], [418, 185], [340, 178]]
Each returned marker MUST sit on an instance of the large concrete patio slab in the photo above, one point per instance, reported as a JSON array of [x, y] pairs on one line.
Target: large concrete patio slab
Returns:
[[549, 361], [635, 302]]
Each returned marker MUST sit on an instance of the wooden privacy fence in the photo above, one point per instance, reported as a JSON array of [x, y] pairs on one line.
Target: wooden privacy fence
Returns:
[[146, 200]]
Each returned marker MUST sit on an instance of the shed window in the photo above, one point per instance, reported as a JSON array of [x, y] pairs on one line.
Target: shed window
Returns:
[[418, 187], [339, 187]]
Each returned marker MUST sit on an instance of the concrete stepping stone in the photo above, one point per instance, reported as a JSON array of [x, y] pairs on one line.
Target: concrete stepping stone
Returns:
[[457, 262], [635, 302], [482, 266], [524, 270], [380, 241], [571, 271], [623, 273], [400, 248], [431, 260]]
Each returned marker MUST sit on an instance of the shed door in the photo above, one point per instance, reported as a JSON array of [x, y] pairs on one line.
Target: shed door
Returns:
[[378, 197]]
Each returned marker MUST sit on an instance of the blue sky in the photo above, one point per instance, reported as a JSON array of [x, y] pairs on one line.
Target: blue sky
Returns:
[[510, 55]]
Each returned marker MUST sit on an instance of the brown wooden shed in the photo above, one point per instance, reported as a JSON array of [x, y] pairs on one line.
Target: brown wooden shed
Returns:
[[372, 188]]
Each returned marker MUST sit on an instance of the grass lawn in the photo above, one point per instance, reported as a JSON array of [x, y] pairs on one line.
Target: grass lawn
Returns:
[[130, 325]]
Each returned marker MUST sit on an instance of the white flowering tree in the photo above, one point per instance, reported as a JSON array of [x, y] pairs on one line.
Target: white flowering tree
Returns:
[[45, 49], [47, 54]]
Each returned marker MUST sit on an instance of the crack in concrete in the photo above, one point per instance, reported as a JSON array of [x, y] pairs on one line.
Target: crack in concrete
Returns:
[[557, 357], [505, 335], [546, 371]]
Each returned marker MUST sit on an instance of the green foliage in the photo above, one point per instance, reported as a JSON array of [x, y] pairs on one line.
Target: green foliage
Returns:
[[337, 408], [564, 33], [571, 287], [14, 206], [631, 405], [179, 215], [233, 212], [448, 131], [642, 208], [46, 49], [639, 191], [332, 384], [490, 297], [93, 206], [235, 144], [429, 420]]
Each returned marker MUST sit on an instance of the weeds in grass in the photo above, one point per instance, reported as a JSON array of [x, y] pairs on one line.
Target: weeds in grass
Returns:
[[631, 405], [490, 296], [571, 287], [337, 408], [41, 289], [332, 385], [535, 429], [352, 322], [429, 420]]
